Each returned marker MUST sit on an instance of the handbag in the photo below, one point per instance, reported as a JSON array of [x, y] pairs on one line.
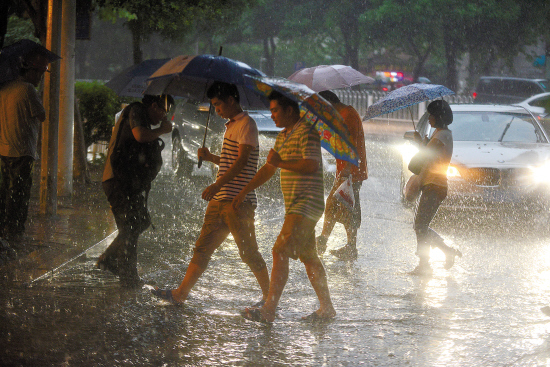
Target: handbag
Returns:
[[419, 160], [135, 163]]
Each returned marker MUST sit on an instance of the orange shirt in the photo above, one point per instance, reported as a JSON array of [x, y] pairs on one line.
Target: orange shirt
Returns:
[[357, 136]]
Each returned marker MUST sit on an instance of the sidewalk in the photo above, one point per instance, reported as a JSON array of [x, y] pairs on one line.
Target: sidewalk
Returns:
[[50, 241]]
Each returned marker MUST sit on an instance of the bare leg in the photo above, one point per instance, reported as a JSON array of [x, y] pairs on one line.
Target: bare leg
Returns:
[[192, 275], [279, 276], [262, 276], [318, 279]]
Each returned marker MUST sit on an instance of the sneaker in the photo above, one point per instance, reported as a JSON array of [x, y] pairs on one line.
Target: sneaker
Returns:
[[346, 252], [422, 270], [321, 245], [450, 257]]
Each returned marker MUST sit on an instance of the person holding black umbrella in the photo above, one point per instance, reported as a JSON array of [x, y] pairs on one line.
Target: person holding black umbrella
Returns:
[[21, 114]]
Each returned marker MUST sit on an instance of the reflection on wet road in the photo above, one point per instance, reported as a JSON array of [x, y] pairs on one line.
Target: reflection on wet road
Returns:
[[484, 311]]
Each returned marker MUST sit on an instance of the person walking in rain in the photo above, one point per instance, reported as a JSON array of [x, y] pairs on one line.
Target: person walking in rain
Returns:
[[128, 195], [335, 211], [238, 163], [21, 114], [297, 153], [433, 187]]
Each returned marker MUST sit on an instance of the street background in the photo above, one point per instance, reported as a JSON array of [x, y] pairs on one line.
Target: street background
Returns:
[[58, 309]]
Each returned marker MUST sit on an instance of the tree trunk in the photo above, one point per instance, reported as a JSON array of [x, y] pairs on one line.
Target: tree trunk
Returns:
[[135, 28], [269, 55], [451, 58]]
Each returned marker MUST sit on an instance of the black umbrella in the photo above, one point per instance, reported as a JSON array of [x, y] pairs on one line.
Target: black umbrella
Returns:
[[132, 81], [10, 57]]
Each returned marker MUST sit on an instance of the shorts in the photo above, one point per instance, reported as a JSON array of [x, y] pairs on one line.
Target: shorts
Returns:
[[297, 238]]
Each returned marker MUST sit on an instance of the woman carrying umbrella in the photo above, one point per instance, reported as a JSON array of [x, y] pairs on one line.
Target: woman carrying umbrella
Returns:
[[433, 187]]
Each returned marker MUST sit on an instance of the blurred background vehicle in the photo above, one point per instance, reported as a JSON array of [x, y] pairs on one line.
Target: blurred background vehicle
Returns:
[[538, 105], [507, 90], [189, 122], [501, 157]]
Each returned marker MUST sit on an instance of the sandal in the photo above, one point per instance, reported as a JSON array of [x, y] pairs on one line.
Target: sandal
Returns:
[[254, 314], [164, 294]]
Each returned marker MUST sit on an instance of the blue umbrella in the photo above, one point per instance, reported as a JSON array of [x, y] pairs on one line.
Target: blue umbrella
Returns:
[[406, 96], [190, 76], [132, 81], [10, 57]]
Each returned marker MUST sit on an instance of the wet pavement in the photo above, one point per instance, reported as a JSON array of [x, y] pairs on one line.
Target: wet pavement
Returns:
[[56, 309]]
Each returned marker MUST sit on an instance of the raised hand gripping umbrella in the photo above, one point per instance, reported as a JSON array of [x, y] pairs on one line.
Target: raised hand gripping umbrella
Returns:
[[318, 111], [190, 76], [326, 77], [406, 96]]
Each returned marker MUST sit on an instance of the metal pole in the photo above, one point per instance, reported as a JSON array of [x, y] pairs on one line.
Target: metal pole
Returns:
[[50, 127]]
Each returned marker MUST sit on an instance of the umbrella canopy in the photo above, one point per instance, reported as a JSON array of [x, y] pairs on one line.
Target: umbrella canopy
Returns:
[[10, 57], [325, 77], [132, 81], [405, 97], [323, 116], [190, 76]]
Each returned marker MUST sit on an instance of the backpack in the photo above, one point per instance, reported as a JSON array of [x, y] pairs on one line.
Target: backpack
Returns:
[[134, 163]]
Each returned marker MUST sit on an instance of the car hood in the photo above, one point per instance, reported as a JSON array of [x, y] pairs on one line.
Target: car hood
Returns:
[[488, 154]]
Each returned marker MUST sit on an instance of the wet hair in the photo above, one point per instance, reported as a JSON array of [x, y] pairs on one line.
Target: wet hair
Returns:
[[330, 96], [283, 101], [223, 91], [442, 113], [161, 100]]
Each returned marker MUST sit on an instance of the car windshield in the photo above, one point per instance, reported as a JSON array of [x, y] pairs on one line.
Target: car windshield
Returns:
[[495, 127]]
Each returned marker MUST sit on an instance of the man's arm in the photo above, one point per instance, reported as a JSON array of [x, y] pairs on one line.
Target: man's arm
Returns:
[[262, 176], [231, 173], [299, 165]]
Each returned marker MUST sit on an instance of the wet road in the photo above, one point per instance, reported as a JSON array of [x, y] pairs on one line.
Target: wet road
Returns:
[[485, 311]]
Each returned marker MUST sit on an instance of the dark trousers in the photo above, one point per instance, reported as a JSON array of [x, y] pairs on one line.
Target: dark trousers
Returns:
[[430, 200], [132, 218], [15, 193]]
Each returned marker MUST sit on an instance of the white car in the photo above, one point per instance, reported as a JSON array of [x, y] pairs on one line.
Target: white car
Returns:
[[501, 155], [536, 104]]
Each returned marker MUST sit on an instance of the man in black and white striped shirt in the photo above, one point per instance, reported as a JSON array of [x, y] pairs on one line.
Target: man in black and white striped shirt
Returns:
[[238, 163]]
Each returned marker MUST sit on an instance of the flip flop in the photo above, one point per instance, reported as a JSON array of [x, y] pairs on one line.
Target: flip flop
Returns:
[[314, 317], [165, 294], [254, 314]]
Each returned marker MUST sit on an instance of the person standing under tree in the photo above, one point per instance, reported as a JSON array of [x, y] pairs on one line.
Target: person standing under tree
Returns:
[[335, 211], [21, 114]]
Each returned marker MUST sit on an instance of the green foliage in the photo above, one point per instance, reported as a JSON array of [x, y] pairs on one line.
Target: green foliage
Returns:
[[98, 106], [18, 29]]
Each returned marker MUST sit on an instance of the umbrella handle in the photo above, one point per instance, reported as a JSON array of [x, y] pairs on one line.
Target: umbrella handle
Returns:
[[205, 132], [207, 120]]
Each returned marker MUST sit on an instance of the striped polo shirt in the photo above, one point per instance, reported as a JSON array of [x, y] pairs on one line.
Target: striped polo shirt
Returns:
[[303, 192], [241, 129]]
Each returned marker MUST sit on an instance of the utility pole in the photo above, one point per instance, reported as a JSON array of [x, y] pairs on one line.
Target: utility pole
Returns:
[[66, 99], [50, 127]]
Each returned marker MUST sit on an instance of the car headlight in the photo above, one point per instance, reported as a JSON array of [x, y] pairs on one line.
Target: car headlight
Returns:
[[541, 173], [407, 152], [452, 171]]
